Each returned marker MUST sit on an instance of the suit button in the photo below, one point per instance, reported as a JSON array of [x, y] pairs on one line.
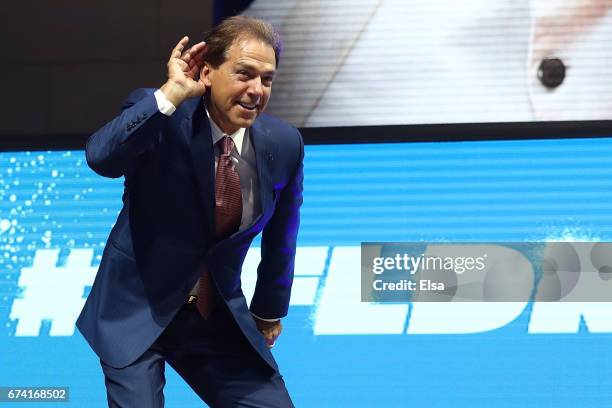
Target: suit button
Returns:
[[551, 72]]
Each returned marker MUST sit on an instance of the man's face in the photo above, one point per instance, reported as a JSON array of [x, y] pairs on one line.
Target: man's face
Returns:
[[241, 86]]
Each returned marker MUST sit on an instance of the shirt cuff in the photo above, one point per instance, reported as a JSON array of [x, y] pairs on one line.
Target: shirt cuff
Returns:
[[163, 104], [265, 320]]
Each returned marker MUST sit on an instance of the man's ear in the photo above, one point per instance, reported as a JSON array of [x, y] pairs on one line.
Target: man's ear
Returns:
[[206, 73]]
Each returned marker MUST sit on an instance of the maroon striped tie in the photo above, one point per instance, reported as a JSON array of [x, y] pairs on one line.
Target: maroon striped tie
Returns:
[[228, 213]]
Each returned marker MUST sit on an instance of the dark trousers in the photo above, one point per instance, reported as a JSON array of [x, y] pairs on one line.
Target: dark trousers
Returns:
[[213, 356]]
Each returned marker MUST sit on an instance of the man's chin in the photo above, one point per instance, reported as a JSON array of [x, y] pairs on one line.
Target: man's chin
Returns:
[[245, 122]]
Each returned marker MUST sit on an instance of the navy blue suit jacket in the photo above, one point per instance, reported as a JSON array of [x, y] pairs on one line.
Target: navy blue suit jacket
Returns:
[[165, 230]]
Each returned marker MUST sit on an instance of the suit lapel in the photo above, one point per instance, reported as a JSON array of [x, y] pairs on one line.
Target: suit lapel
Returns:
[[264, 153], [203, 159]]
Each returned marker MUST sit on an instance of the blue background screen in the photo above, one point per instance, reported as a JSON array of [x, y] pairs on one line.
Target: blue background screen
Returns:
[[55, 216]]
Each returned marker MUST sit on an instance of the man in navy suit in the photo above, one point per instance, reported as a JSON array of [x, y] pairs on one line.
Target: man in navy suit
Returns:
[[168, 287]]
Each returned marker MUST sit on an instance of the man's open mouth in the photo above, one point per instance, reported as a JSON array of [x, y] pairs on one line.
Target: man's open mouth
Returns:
[[247, 106]]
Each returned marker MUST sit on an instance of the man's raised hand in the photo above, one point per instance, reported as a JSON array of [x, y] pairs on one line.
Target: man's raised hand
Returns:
[[183, 70]]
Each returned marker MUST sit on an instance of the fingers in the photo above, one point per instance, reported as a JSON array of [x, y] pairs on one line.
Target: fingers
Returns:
[[178, 50], [195, 53], [195, 58], [270, 341], [198, 48], [193, 71], [269, 330], [272, 334], [189, 62]]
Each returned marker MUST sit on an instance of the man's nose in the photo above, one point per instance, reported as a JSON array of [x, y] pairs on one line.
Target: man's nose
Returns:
[[255, 87]]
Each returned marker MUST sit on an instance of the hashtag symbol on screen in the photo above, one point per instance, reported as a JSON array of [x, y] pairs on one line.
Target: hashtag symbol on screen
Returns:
[[53, 293]]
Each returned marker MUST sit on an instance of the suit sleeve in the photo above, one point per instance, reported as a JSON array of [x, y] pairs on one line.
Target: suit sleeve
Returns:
[[113, 150], [278, 246]]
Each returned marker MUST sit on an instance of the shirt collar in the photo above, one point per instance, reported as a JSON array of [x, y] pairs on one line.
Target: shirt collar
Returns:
[[217, 134]]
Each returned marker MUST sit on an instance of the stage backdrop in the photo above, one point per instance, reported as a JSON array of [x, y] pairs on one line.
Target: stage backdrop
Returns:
[[55, 215]]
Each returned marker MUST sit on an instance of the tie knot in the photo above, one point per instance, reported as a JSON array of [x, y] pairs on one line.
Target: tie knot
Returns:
[[226, 144]]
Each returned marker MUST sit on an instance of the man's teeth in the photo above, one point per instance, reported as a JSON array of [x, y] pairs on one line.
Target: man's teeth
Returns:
[[244, 105]]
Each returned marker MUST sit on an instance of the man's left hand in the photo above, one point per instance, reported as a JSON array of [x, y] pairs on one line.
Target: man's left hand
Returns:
[[270, 330]]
